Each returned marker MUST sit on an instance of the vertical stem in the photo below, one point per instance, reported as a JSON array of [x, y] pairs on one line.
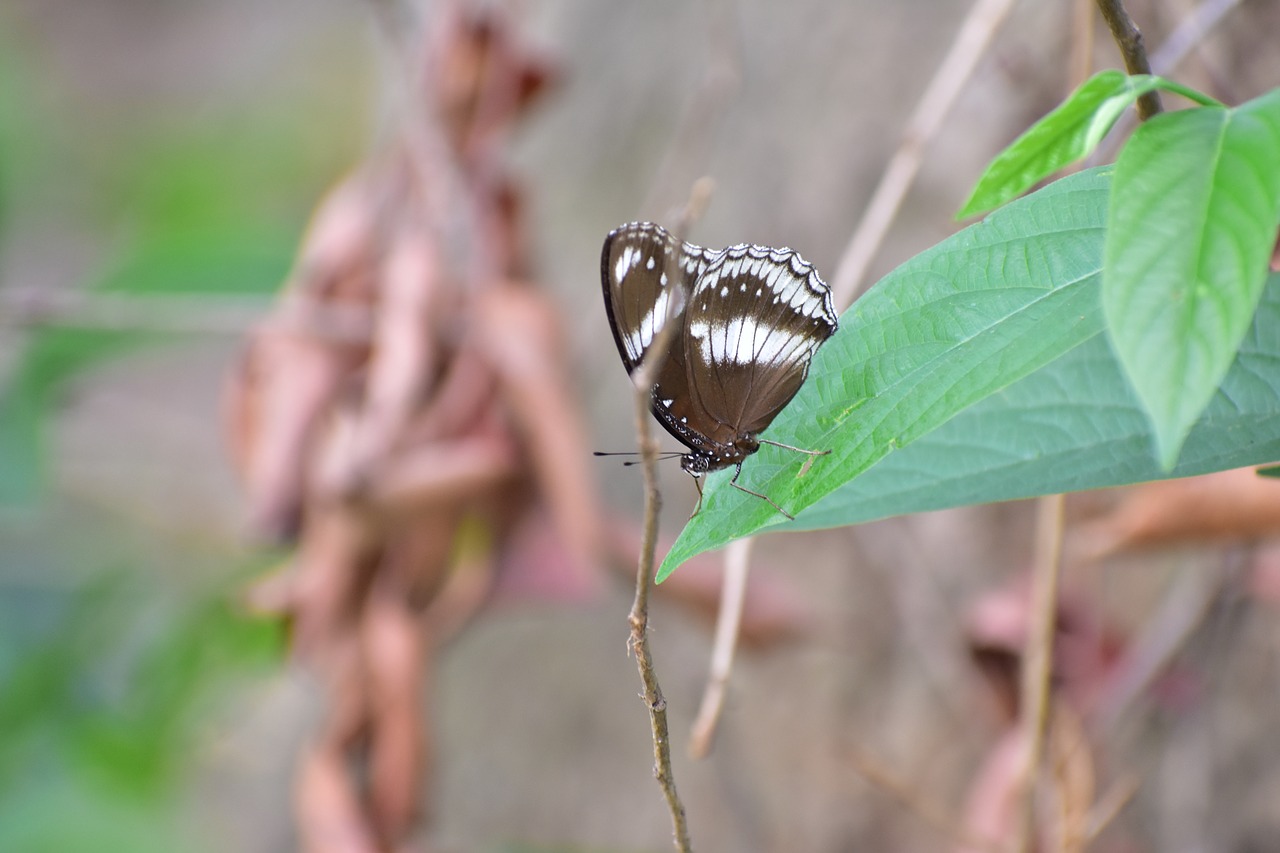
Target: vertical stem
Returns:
[[644, 377], [1037, 666], [984, 18], [639, 641], [733, 595], [1129, 39]]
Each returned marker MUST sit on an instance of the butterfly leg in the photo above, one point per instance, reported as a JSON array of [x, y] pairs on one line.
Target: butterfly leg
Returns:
[[697, 481], [812, 454], [765, 498]]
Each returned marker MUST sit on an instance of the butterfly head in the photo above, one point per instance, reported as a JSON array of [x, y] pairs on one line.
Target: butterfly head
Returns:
[[701, 461], [696, 464]]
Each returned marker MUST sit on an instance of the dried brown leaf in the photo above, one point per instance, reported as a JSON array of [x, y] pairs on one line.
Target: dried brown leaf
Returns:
[[1227, 506]]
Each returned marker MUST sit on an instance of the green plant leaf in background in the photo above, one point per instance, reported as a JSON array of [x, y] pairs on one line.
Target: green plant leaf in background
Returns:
[[1069, 133], [954, 324], [100, 707], [1193, 218], [202, 220]]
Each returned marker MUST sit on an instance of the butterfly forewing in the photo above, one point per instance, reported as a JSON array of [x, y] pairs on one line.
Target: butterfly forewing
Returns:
[[642, 268]]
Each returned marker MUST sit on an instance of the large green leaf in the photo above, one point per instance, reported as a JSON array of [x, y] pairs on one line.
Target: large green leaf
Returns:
[[1074, 424], [956, 323], [1193, 219]]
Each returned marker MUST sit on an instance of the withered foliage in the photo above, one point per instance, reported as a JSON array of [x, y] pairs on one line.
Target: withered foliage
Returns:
[[406, 418]]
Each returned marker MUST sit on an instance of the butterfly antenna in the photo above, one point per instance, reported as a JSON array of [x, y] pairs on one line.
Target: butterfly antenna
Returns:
[[665, 454]]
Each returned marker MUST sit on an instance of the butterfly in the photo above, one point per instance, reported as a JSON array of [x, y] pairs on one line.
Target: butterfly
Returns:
[[750, 320]]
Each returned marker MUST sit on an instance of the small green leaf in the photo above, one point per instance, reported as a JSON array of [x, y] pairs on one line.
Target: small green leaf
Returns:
[[956, 323], [1067, 134], [1191, 228]]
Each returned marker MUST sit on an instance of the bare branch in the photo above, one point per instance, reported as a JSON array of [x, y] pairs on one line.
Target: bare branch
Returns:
[[644, 377], [935, 104], [733, 595], [1037, 664], [185, 314], [923, 808], [1190, 34], [1182, 611], [1129, 40]]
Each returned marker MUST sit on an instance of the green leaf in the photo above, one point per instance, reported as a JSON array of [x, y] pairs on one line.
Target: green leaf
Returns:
[[1061, 137], [1193, 220], [1074, 424], [1067, 134], [956, 323]]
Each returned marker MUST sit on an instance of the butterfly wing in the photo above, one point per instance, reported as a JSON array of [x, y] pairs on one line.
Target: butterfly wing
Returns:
[[755, 319], [641, 268]]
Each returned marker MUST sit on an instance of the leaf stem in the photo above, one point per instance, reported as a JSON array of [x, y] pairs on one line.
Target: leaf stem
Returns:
[[1129, 39], [1037, 666]]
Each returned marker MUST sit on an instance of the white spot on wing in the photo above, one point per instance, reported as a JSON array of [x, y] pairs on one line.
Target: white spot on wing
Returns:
[[639, 338], [629, 258]]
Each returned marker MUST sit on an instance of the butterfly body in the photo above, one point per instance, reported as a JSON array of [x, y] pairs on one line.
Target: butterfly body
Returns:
[[750, 319]]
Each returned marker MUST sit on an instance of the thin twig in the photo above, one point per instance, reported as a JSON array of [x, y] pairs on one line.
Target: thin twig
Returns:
[[936, 102], [184, 314], [923, 808], [693, 141], [643, 377], [433, 168], [1110, 804], [1129, 39], [1038, 658], [1182, 611], [1190, 33], [733, 595], [1081, 43]]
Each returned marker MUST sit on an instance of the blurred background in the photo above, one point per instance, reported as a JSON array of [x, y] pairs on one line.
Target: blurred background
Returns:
[[160, 164]]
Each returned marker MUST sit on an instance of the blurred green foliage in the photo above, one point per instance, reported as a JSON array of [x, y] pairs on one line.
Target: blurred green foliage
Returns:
[[103, 693], [199, 204], [110, 672]]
